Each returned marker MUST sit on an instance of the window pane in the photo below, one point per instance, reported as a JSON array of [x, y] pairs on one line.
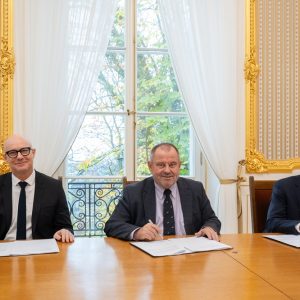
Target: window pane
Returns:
[[152, 130], [118, 32], [99, 147], [109, 92], [157, 87], [149, 33]]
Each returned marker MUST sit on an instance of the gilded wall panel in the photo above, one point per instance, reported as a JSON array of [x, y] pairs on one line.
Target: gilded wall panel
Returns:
[[272, 81], [7, 64]]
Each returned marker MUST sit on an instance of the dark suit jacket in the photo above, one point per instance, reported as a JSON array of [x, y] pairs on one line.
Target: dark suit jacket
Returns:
[[284, 209], [50, 210], [138, 205]]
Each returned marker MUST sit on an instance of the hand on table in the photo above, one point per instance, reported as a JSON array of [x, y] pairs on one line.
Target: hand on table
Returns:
[[64, 236], [209, 233]]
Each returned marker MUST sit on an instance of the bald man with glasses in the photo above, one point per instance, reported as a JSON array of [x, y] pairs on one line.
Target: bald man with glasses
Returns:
[[32, 205]]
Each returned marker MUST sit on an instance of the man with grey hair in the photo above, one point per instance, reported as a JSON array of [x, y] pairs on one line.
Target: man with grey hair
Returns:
[[163, 204], [32, 205]]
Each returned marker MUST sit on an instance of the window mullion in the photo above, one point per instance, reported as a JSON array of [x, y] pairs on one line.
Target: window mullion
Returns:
[[130, 71]]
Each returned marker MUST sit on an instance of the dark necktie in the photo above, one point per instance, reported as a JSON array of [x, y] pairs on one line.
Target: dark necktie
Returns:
[[21, 223], [169, 222]]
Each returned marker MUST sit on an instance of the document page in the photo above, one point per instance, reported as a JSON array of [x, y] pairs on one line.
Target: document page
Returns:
[[198, 244], [28, 247], [179, 246], [289, 239], [160, 248]]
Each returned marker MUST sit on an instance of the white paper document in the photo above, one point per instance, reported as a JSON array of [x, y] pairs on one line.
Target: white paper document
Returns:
[[28, 247], [180, 246], [289, 239]]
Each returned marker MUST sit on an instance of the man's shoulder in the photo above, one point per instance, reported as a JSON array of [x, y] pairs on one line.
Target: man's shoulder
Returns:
[[288, 181], [189, 182], [142, 184], [41, 177], [5, 177]]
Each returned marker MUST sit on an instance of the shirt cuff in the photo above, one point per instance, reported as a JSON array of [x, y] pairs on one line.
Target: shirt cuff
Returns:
[[132, 233], [298, 227]]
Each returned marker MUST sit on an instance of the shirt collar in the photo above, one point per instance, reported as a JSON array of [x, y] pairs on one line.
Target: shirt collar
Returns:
[[30, 180], [160, 190]]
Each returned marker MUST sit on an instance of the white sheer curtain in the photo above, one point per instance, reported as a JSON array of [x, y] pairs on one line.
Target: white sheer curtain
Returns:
[[59, 48], [203, 37]]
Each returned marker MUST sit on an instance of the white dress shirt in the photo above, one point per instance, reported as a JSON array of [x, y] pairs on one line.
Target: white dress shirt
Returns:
[[29, 190]]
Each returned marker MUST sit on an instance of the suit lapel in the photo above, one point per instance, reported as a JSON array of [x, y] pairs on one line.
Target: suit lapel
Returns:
[[38, 196], [186, 199], [149, 200], [7, 199], [297, 191]]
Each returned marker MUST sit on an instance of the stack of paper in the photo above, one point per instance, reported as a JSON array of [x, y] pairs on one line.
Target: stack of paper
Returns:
[[28, 247], [180, 246]]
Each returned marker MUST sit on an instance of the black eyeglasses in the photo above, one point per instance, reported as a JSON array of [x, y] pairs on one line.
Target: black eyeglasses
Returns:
[[14, 153]]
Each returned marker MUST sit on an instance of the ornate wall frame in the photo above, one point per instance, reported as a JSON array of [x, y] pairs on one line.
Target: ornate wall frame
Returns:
[[257, 160], [7, 66]]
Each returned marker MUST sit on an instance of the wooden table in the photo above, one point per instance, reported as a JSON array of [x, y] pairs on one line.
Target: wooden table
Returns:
[[276, 263], [107, 268]]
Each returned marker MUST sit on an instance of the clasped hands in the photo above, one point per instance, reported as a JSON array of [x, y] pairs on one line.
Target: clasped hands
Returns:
[[151, 232]]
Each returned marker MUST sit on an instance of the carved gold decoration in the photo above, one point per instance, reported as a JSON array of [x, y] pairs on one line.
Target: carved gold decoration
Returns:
[[7, 63], [256, 161], [4, 168], [251, 69]]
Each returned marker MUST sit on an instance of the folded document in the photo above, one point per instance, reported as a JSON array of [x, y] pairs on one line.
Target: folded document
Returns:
[[28, 247], [180, 246]]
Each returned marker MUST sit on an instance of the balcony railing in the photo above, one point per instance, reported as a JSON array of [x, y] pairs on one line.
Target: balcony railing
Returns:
[[91, 202]]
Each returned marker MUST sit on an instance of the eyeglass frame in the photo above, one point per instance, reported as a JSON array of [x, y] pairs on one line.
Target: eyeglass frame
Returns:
[[162, 165], [8, 153]]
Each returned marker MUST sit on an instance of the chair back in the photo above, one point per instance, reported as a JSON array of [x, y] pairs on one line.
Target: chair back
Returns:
[[126, 182], [260, 197]]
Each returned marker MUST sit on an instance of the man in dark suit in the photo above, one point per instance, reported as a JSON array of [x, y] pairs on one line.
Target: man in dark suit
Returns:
[[46, 213], [142, 212], [284, 210]]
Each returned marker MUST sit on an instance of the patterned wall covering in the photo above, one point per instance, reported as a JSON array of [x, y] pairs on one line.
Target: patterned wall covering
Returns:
[[273, 133], [278, 84]]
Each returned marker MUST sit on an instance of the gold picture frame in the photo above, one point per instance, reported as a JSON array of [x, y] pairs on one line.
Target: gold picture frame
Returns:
[[7, 67], [256, 160]]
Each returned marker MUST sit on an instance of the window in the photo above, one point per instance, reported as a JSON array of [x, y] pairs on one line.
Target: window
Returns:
[[136, 104]]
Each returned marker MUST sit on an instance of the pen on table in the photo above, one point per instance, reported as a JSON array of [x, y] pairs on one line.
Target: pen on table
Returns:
[[150, 221]]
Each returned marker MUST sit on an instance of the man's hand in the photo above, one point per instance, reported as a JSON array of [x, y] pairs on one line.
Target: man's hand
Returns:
[[64, 236], [149, 232], [209, 233]]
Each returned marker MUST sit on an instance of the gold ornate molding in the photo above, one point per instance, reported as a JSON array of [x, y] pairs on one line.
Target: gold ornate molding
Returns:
[[256, 161], [7, 64]]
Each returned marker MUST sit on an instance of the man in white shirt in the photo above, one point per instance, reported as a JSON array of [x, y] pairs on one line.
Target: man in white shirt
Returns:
[[32, 205]]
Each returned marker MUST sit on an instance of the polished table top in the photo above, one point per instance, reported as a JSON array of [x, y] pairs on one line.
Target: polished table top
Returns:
[[276, 263], [107, 268]]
